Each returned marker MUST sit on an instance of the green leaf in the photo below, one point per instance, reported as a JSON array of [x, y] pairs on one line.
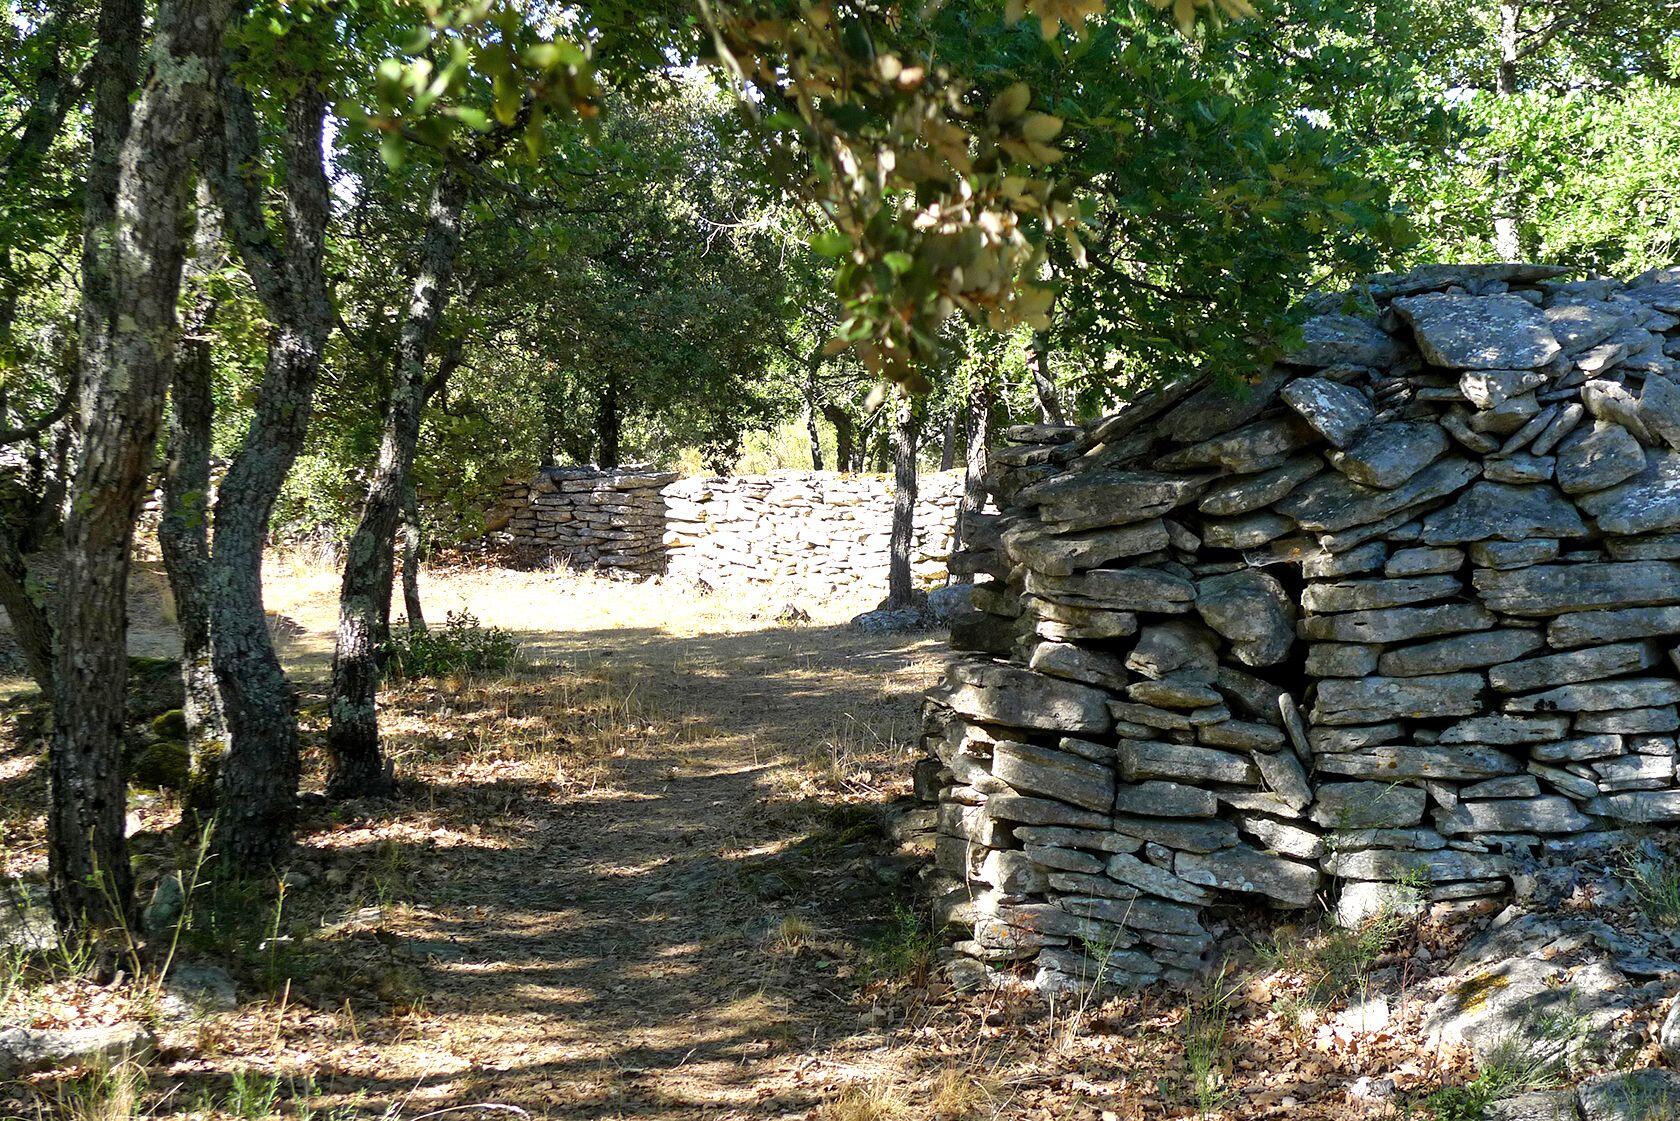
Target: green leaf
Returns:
[[830, 243]]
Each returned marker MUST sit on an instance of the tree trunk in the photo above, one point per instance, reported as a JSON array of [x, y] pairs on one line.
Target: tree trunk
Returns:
[[900, 591], [606, 425], [948, 446], [355, 766], [1507, 241], [845, 439], [183, 533], [980, 399], [1044, 382], [30, 625], [134, 249], [811, 428], [412, 550], [257, 785]]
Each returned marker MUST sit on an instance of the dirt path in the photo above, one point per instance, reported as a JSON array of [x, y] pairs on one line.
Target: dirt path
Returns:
[[638, 882]]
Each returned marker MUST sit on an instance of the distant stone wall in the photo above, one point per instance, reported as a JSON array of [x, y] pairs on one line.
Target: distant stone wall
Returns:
[[590, 518], [821, 529], [1376, 632]]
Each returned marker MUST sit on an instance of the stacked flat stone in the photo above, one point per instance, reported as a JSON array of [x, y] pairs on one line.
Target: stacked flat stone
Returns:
[[1365, 633], [613, 520], [821, 530]]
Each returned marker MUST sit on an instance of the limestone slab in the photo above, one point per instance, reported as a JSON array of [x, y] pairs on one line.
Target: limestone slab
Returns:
[[1567, 668], [1479, 332], [1401, 624], [1468, 651], [1373, 699], [1505, 512], [1389, 454], [1558, 589]]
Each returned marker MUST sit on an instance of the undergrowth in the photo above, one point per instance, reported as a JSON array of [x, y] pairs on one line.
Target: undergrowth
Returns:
[[904, 950], [462, 647], [1653, 875], [1335, 962], [1535, 1059]]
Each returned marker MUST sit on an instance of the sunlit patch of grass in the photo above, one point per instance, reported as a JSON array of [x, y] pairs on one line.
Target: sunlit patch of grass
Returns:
[[874, 1101], [793, 933], [110, 1093], [958, 1094], [1208, 1058]]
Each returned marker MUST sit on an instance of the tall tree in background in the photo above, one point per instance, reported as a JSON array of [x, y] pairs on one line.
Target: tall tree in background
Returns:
[[357, 766], [901, 590]]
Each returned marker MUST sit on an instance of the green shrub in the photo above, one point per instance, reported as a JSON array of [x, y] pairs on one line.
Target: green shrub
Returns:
[[462, 647]]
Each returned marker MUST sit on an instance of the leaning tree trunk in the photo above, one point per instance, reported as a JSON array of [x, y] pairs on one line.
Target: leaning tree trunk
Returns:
[[136, 249], [184, 531], [980, 397], [355, 766], [257, 785], [1044, 382], [900, 592], [30, 625], [413, 548]]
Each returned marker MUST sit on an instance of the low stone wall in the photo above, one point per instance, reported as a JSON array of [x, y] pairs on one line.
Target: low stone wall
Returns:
[[613, 520], [819, 529], [1370, 633]]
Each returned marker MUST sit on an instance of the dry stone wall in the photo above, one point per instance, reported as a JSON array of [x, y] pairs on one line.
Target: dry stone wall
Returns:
[[821, 530], [612, 520], [1371, 632], [817, 528]]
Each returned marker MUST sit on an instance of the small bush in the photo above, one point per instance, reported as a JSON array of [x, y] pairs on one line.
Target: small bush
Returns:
[[1334, 962], [1653, 875], [462, 647], [905, 950]]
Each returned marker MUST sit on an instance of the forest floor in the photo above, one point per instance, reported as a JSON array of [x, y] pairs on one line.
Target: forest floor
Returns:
[[641, 877]]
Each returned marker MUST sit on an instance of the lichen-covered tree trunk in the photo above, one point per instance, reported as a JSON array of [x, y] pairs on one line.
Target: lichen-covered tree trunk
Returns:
[[136, 247], [355, 766], [184, 531], [258, 780], [812, 431], [900, 591], [846, 457]]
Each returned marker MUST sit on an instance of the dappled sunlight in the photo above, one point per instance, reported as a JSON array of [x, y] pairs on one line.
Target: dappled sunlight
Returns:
[[579, 900]]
